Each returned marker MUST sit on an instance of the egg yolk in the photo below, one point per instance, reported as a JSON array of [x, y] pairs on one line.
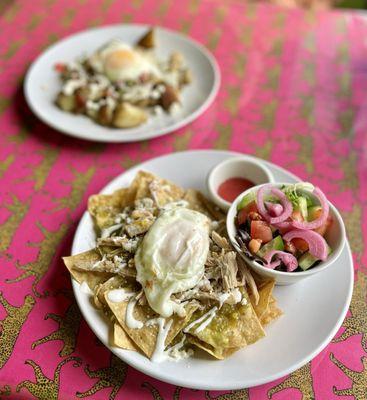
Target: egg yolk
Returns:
[[120, 59]]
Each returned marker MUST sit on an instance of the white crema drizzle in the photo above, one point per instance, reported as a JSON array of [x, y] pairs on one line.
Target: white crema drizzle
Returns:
[[131, 322], [203, 321], [159, 353], [119, 295], [108, 231]]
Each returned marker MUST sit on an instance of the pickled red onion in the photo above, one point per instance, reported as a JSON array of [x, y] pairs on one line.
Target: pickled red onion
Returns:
[[316, 243], [289, 260], [274, 209], [284, 225], [286, 204], [323, 217]]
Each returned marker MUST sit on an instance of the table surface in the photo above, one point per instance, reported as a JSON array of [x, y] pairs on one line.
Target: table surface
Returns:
[[293, 92]]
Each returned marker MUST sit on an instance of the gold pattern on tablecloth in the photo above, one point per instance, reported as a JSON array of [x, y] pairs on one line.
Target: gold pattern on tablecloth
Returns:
[[5, 164], [241, 394], [18, 210], [356, 323], [41, 171], [300, 379], [11, 325], [39, 267], [45, 388], [67, 331], [181, 142], [230, 106], [112, 376], [358, 378], [224, 136], [353, 224], [5, 390], [305, 152], [78, 187], [155, 392]]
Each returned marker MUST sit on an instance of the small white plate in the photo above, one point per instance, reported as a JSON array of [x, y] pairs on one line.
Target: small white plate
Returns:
[[313, 309], [42, 83]]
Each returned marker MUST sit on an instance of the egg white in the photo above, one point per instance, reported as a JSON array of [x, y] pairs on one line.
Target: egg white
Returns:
[[119, 61], [171, 257]]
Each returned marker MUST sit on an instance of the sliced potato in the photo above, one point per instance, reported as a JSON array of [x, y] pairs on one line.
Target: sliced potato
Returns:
[[66, 102], [127, 116], [105, 115], [169, 96], [91, 112], [148, 40], [81, 98], [186, 77], [175, 61]]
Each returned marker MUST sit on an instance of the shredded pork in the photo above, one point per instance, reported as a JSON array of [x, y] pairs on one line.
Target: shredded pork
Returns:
[[224, 272]]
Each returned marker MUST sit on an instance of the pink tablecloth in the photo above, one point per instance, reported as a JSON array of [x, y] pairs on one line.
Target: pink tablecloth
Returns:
[[293, 92]]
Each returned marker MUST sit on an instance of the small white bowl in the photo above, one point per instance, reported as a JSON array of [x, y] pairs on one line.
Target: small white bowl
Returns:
[[236, 167], [335, 238]]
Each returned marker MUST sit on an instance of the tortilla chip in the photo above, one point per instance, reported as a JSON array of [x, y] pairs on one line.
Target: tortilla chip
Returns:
[[140, 184], [218, 353], [122, 339], [160, 190], [265, 290], [145, 338], [115, 282], [198, 202], [104, 207], [76, 264], [272, 313], [233, 326]]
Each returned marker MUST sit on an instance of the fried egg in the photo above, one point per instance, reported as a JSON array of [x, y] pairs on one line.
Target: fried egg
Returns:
[[119, 61], [171, 257]]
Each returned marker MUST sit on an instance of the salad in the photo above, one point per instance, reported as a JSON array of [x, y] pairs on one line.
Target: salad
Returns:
[[284, 227]]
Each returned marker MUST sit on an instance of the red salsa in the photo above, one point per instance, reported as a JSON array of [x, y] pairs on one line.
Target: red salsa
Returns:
[[233, 187]]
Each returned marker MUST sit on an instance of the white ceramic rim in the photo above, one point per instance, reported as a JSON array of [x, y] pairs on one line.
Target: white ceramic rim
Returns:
[[321, 267], [207, 386], [210, 179], [121, 138]]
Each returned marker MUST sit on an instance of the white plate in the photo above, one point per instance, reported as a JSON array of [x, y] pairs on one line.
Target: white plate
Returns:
[[42, 83], [313, 309]]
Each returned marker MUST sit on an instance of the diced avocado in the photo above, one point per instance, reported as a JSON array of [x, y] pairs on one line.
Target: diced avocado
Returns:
[[302, 207], [313, 212], [247, 199], [275, 244], [307, 260]]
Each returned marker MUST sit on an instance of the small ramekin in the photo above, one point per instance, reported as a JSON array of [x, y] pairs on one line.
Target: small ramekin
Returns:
[[236, 167], [335, 237]]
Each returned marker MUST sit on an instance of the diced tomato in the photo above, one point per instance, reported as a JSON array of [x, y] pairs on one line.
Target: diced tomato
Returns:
[[60, 67], [251, 207], [297, 216], [243, 213], [323, 228], [300, 244], [261, 230]]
